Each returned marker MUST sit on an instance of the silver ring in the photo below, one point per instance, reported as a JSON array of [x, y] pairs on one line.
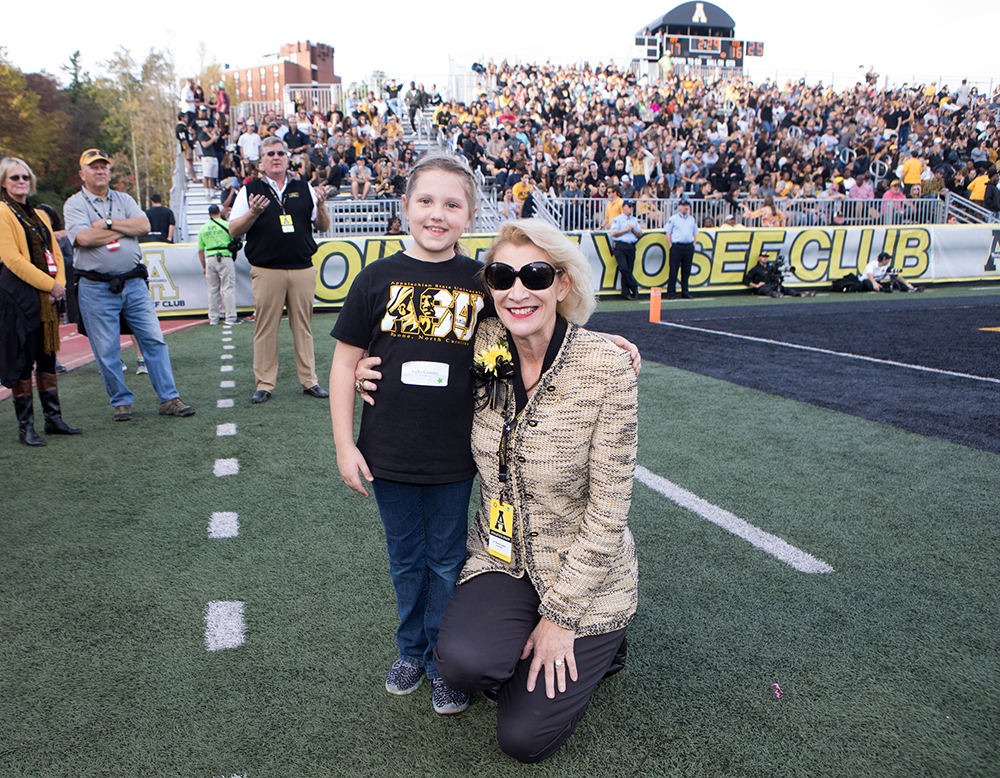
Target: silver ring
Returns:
[[559, 663]]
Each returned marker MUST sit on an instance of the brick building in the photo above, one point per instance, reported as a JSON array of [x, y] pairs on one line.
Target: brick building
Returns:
[[296, 63]]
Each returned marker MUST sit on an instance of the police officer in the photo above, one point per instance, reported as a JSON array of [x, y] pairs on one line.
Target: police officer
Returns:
[[680, 231], [626, 231]]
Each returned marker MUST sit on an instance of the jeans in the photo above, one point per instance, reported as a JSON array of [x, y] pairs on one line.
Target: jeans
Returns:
[[102, 311], [425, 532]]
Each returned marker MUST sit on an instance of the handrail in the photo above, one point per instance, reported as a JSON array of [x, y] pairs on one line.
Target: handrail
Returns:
[[548, 208], [966, 211]]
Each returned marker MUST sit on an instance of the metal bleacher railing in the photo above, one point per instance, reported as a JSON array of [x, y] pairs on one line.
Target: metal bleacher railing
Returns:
[[582, 213]]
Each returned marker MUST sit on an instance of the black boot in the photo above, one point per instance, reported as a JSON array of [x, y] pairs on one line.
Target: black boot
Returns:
[[49, 395], [25, 413]]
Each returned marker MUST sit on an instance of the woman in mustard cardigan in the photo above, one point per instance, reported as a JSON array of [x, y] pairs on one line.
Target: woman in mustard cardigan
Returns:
[[32, 281], [550, 580]]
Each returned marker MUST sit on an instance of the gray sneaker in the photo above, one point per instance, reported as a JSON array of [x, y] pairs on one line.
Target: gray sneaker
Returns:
[[176, 407], [447, 700], [403, 678], [140, 367]]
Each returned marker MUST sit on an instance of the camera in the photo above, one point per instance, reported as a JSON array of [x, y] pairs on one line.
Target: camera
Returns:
[[776, 265]]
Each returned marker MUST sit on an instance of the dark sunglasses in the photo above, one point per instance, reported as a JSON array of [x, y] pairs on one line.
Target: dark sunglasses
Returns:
[[534, 276], [19, 177], [95, 153], [274, 153]]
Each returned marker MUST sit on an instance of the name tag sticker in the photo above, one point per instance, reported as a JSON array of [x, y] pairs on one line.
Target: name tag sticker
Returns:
[[425, 373], [50, 262], [113, 245], [286, 223], [501, 529]]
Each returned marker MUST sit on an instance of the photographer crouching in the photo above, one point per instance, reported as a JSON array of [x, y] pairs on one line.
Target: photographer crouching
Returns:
[[766, 278], [879, 276]]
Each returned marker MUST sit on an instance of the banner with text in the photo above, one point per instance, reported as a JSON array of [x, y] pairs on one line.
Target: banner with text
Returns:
[[814, 257]]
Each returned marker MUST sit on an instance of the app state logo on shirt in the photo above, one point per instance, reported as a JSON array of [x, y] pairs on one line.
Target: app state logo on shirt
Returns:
[[432, 312]]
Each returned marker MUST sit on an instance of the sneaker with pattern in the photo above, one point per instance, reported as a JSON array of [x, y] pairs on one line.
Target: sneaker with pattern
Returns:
[[447, 700], [403, 678]]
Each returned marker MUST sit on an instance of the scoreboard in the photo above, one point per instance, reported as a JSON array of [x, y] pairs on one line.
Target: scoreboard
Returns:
[[705, 52]]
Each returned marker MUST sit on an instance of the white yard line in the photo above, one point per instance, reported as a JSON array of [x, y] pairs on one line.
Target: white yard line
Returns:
[[224, 524], [224, 627], [772, 544], [226, 467]]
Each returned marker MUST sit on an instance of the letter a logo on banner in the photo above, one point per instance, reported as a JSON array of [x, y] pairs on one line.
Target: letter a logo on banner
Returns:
[[699, 14], [991, 261]]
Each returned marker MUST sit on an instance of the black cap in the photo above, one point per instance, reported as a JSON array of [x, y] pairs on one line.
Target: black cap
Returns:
[[884, 255]]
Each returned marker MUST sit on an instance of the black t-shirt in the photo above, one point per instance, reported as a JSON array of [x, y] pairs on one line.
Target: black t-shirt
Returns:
[[183, 135], [160, 219], [420, 318], [296, 139]]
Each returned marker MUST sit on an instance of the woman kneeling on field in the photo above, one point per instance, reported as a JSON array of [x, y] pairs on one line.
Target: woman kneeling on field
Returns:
[[550, 581]]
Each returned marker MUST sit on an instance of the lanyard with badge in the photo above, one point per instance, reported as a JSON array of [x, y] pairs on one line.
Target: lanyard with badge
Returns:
[[502, 513], [113, 245], [285, 218], [50, 258]]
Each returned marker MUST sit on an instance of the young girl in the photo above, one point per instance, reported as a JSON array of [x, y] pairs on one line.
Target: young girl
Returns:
[[417, 311]]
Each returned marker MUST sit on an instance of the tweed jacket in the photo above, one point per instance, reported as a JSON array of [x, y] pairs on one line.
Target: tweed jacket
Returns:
[[571, 463]]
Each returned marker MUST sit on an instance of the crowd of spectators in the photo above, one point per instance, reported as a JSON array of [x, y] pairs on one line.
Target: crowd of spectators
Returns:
[[801, 154], [579, 131], [361, 150]]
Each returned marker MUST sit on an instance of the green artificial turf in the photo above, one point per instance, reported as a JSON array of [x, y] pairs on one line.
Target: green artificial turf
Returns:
[[888, 666]]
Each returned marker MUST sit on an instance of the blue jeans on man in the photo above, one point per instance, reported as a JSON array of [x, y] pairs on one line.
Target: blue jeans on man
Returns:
[[102, 311], [425, 532]]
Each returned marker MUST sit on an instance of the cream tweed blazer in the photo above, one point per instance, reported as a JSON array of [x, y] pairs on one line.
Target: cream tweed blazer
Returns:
[[571, 463]]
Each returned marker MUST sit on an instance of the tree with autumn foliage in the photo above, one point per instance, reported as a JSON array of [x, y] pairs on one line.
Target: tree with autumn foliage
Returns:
[[128, 112]]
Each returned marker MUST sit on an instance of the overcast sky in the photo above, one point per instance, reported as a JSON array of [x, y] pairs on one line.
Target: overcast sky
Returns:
[[919, 40]]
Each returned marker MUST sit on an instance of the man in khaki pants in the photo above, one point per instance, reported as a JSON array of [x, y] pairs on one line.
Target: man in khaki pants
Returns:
[[276, 213]]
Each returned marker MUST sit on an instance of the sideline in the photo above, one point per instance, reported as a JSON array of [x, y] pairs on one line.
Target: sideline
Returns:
[[772, 544], [831, 353]]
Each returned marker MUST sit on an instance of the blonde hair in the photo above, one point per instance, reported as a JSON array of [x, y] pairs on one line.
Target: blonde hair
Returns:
[[564, 255], [9, 163], [446, 163]]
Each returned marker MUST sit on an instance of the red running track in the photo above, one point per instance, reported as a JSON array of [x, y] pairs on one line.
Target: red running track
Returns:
[[74, 349]]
